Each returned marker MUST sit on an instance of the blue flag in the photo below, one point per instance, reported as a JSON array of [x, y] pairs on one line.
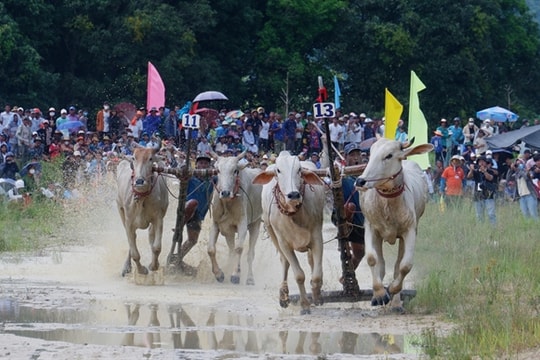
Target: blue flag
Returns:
[[337, 93]]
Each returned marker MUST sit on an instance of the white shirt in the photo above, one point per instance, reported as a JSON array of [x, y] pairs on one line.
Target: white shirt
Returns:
[[335, 132], [263, 132]]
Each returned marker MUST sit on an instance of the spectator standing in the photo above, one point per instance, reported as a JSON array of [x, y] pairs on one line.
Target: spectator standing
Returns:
[[528, 201], [72, 114], [369, 130], [102, 119], [152, 121], [401, 134], [264, 128], [485, 187], [62, 120], [456, 137], [480, 144], [136, 125], [469, 132], [446, 140], [11, 131], [203, 147], [437, 143], [6, 116], [451, 184], [336, 130], [278, 134], [290, 133], [37, 119], [24, 139]]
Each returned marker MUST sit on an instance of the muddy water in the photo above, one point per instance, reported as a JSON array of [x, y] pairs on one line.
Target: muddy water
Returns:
[[177, 326]]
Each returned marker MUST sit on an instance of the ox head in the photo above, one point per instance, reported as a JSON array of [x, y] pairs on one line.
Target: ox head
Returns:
[[291, 178], [141, 167], [228, 171], [385, 161]]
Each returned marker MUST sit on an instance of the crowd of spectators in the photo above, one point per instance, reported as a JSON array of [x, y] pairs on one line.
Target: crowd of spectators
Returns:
[[89, 149]]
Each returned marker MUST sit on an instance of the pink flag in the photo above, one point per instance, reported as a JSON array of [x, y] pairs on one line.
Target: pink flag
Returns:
[[155, 92]]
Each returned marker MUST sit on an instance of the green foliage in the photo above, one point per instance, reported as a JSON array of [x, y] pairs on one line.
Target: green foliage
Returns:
[[470, 54]]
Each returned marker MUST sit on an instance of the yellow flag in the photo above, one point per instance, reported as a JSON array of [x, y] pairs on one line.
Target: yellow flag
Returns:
[[392, 113], [418, 127]]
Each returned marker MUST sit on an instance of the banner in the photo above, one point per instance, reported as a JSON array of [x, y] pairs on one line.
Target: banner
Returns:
[[418, 127], [392, 114], [155, 90], [337, 94]]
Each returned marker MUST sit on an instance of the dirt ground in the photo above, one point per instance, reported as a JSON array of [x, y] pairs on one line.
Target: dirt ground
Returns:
[[85, 274]]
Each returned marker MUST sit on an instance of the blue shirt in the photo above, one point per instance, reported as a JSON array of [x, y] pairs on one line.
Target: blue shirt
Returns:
[[200, 190], [351, 195], [151, 123]]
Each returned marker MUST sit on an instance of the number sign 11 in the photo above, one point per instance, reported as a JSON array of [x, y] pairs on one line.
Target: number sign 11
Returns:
[[191, 121]]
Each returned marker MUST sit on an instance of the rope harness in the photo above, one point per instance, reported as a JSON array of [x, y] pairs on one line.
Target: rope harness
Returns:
[[392, 192], [280, 199]]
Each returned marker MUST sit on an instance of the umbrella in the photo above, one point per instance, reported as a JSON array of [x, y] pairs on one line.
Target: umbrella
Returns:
[[366, 144], [208, 114], [5, 185], [235, 114], [497, 113], [129, 109], [68, 125], [33, 164], [210, 95]]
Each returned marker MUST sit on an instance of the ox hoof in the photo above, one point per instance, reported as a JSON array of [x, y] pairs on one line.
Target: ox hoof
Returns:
[[235, 279], [126, 271], [284, 303], [143, 270], [398, 310], [380, 300], [305, 311], [220, 277], [250, 281]]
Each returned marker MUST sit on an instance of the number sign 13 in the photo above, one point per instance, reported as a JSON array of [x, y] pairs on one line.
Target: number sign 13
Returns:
[[324, 110]]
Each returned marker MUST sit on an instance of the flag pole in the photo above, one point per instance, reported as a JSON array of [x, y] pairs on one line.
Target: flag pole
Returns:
[[350, 284]]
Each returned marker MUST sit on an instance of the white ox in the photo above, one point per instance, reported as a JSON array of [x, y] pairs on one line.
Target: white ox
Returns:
[[393, 198], [142, 202], [293, 200], [236, 208]]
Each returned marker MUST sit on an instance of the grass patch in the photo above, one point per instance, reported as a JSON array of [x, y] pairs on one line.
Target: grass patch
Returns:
[[481, 277], [33, 227]]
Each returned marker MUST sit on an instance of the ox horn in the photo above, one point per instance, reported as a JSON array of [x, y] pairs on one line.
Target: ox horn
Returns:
[[407, 144], [241, 155], [214, 155]]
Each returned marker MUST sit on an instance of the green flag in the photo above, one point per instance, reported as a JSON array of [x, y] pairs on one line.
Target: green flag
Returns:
[[417, 122]]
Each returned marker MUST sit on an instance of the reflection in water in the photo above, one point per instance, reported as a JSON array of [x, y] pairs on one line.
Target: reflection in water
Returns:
[[184, 327]]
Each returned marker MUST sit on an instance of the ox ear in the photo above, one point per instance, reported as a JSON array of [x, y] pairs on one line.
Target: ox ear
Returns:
[[311, 178], [419, 149], [263, 178]]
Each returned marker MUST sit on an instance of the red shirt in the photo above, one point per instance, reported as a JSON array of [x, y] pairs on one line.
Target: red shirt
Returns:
[[454, 180]]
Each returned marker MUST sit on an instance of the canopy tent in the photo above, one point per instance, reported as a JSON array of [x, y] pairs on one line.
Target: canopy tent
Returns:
[[530, 135]]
